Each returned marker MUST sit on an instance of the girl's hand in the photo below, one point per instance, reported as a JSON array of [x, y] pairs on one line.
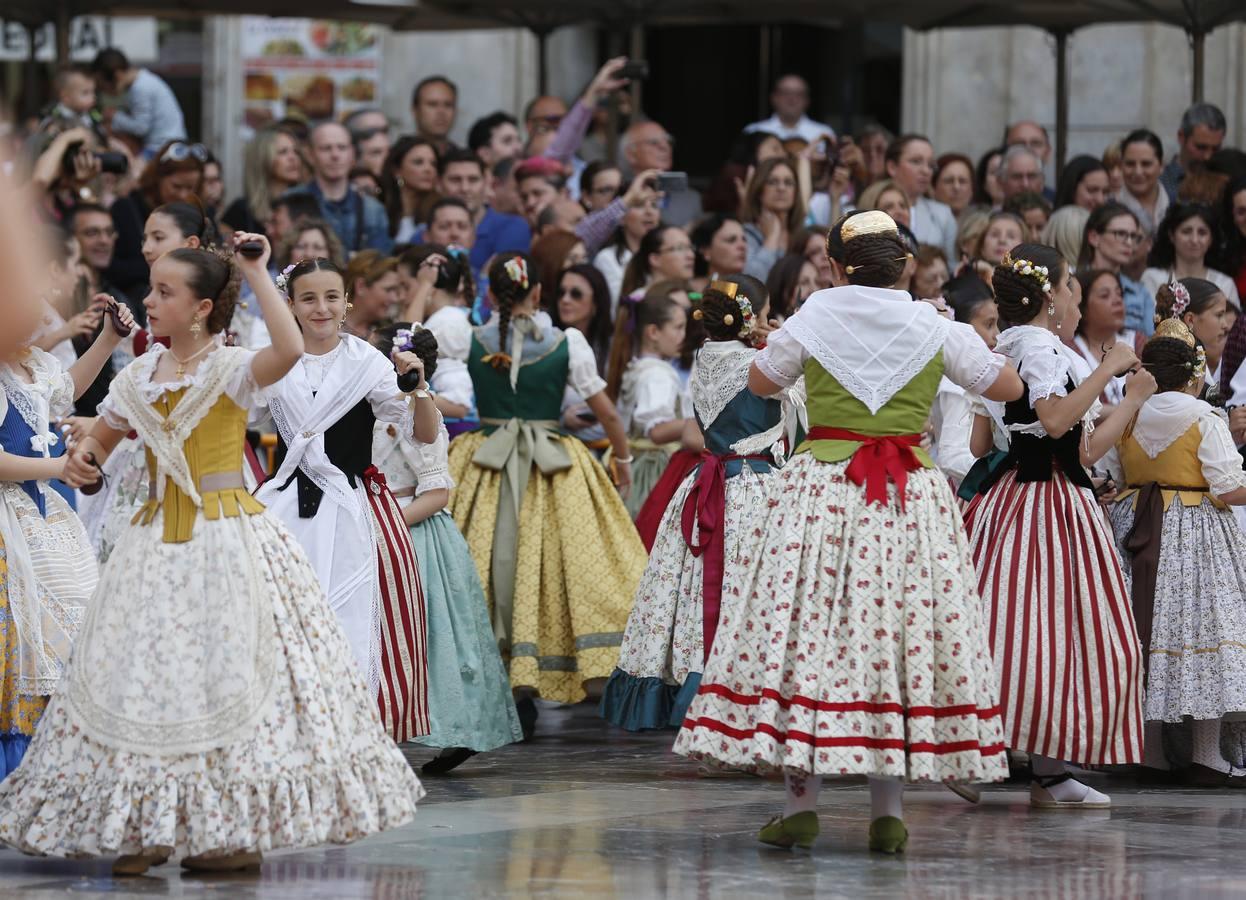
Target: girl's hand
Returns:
[[622, 472], [84, 323], [405, 361], [1121, 359], [1140, 385], [78, 469], [430, 269], [247, 263], [75, 428]]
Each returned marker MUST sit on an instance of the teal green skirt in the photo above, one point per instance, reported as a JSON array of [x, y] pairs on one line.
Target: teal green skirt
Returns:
[[469, 692]]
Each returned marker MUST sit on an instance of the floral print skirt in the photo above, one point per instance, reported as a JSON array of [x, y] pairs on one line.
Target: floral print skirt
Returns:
[[663, 644], [315, 767], [851, 640], [1196, 666]]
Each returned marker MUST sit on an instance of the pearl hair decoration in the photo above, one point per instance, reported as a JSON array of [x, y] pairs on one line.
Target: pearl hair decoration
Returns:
[[728, 319], [698, 315], [1029, 270]]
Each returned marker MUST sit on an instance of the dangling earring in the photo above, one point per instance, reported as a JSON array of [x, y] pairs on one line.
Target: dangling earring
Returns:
[[1051, 307], [195, 328]]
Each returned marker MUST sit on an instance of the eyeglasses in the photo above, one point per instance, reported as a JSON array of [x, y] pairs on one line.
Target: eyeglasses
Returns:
[[678, 248], [574, 293], [180, 152], [1127, 237]]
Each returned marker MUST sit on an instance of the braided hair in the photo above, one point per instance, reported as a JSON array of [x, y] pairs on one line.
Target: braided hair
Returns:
[[423, 344], [1171, 361], [505, 292], [214, 276], [1021, 297], [869, 260]]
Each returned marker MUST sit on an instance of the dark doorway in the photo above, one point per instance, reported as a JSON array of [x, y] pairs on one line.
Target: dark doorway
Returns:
[[709, 81]]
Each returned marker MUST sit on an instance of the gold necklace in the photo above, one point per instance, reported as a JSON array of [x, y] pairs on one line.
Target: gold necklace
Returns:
[[181, 363]]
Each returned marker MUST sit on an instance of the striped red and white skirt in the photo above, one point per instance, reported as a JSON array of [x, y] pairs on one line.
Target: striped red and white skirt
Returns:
[[403, 694], [1061, 626], [851, 639]]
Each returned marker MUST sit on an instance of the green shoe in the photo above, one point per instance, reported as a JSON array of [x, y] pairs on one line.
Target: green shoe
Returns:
[[888, 835], [797, 831]]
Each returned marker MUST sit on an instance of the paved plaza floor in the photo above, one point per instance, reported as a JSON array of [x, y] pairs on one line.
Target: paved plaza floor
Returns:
[[585, 811]]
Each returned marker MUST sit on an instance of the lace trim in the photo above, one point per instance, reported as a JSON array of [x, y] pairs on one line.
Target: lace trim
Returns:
[[282, 424], [1154, 446], [1019, 340], [876, 396], [718, 375], [167, 436], [34, 402], [221, 727]]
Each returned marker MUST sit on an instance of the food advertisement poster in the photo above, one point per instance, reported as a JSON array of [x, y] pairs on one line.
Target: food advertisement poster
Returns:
[[317, 67]]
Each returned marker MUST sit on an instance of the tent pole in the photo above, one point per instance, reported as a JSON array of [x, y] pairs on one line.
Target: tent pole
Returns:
[[62, 34], [542, 60], [1062, 97], [1198, 39]]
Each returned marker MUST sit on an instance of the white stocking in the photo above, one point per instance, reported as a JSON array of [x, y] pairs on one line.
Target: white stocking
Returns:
[[802, 793], [886, 797]]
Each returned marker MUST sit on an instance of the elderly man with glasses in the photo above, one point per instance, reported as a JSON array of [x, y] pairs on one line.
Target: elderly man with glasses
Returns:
[[648, 146], [1020, 172]]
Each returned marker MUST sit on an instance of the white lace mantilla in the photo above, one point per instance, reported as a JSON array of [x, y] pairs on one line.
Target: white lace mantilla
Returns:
[[873, 371], [1166, 417], [49, 395], [719, 373]]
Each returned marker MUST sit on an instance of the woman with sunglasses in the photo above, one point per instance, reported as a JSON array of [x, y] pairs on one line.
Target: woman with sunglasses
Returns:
[[1112, 235], [174, 174]]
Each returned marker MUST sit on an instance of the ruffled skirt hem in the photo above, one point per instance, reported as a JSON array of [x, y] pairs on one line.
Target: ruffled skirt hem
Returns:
[[637, 703]]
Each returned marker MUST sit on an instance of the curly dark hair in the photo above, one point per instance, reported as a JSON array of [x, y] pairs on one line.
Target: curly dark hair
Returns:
[[423, 344], [215, 277], [722, 316], [1021, 297], [506, 292]]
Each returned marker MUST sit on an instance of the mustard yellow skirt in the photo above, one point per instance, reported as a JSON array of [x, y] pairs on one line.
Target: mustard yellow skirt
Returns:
[[579, 560]]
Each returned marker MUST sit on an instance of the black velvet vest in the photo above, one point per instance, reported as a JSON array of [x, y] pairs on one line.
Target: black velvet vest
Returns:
[[1034, 457], [348, 444]]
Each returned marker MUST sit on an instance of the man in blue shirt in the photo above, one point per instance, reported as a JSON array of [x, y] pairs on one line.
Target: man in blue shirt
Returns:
[[463, 177], [360, 221]]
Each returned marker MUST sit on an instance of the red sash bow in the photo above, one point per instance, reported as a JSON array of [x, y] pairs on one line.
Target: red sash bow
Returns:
[[878, 458], [705, 512]]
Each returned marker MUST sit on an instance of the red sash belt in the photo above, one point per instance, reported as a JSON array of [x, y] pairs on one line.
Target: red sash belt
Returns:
[[705, 513], [878, 458]]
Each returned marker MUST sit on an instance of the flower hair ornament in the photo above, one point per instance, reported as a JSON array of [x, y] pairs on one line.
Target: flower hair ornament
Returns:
[[517, 269], [404, 338], [1173, 328], [732, 290], [283, 279], [1028, 269]]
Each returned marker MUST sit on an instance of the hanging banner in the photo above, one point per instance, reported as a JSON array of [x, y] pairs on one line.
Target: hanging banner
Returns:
[[88, 35], [317, 67]]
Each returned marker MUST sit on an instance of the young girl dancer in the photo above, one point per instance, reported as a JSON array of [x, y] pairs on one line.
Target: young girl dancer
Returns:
[[107, 513], [470, 707], [676, 612], [1184, 553], [648, 336], [51, 571], [1065, 646], [211, 707], [332, 498], [552, 541], [856, 645]]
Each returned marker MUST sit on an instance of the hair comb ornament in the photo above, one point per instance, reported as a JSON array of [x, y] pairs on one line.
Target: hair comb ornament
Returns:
[[1027, 269], [872, 221], [517, 269], [732, 290]]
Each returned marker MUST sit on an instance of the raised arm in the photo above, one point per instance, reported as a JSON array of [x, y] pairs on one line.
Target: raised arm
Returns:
[[87, 368], [271, 363], [1059, 414], [1138, 389]]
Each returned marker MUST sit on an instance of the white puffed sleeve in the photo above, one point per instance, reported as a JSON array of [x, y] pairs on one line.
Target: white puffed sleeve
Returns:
[[61, 401], [783, 358], [107, 410], [1045, 371], [582, 374], [389, 404], [968, 361], [453, 381], [1222, 464], [241, 386], [432, 462], [453, 333], [657, 399], [952, 418]]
